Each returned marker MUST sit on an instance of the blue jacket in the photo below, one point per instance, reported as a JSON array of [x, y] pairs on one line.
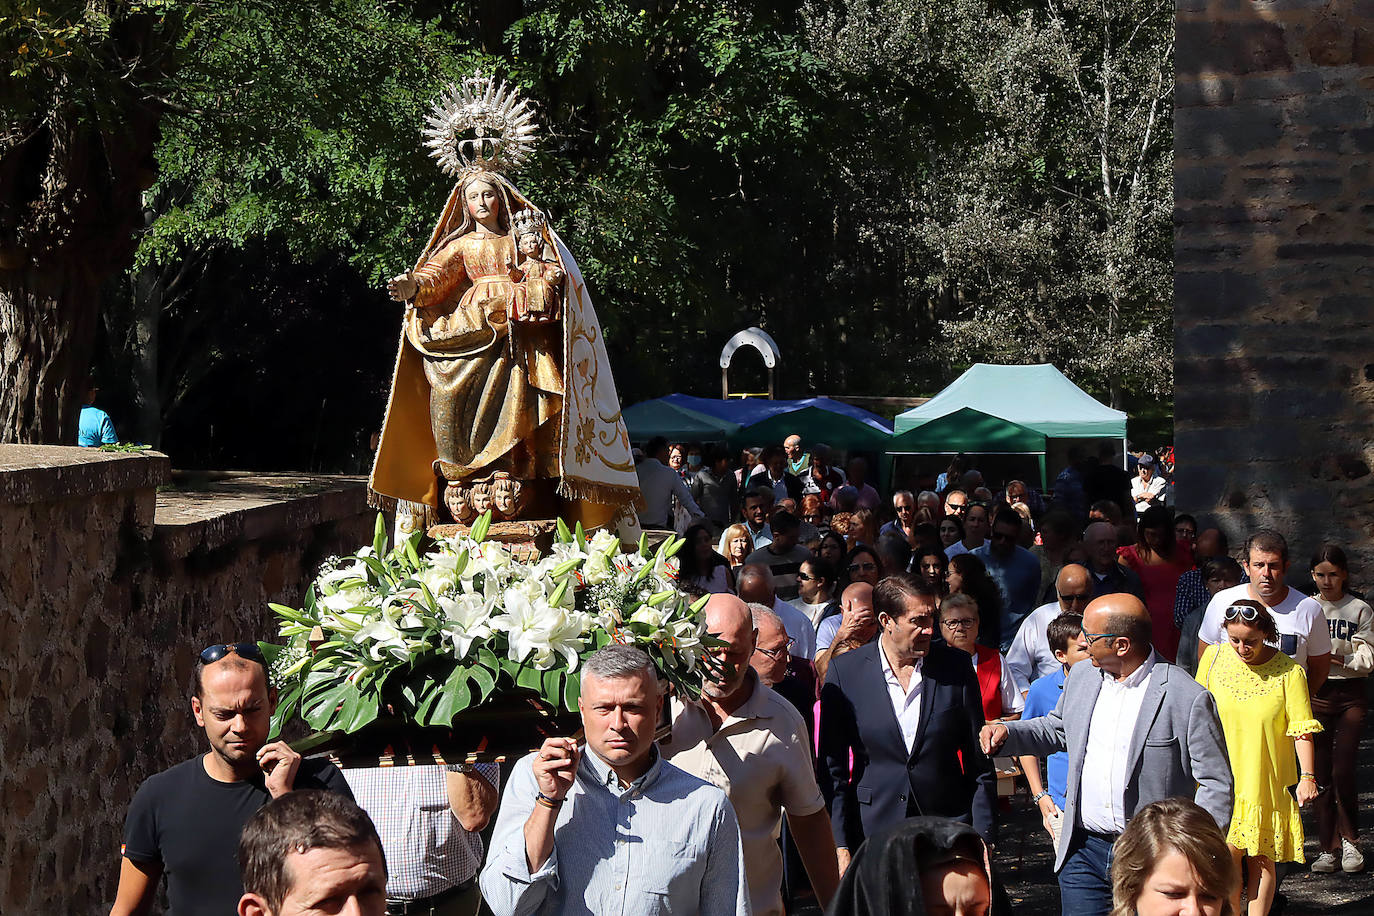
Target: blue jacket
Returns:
[[945, 774]]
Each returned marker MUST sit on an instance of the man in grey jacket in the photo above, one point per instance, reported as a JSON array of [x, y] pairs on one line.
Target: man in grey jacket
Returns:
[[1137, 730]]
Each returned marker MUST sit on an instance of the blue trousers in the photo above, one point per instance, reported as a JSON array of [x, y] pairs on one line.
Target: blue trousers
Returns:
[[1085, 881]]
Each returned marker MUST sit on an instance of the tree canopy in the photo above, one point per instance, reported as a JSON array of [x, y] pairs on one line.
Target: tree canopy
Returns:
[[892, 188]]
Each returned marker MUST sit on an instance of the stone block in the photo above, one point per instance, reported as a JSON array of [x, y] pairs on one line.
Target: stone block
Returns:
[[1224, 290], [1331, 42], [1256, 47], [1199, 182], [1228, 131], [1342, 112], [1325, 250]]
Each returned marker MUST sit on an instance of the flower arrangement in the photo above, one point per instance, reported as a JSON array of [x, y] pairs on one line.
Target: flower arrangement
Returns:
[[425, 636]]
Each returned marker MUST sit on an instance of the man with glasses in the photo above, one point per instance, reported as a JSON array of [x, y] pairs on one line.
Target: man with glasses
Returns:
[[749, 741], [1031, 655], [184, 822], [904, 505], [1137, 730], [956, 503]]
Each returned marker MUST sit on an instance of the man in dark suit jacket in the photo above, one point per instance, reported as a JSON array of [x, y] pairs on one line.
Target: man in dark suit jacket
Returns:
[[910, 712], [772, 473]]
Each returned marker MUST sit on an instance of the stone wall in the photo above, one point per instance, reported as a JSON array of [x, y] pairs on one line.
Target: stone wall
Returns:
[[108, 588], [1274, 269]]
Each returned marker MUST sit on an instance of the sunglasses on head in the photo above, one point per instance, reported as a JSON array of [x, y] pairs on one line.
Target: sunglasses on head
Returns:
[[1243, 611], [249, 650]]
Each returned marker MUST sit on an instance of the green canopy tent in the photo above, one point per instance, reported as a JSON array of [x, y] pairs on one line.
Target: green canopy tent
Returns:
[[972, 432], [647, 419]]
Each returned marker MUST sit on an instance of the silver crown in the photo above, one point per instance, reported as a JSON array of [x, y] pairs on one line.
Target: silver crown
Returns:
[[526, 222], [480, 124]]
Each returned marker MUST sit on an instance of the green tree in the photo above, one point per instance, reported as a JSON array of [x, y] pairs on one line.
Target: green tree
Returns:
[[83, 92], [1040, 219]]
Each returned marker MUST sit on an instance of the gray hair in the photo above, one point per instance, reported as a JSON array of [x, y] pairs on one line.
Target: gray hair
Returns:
[[957, 600], [762, 612], [907, 493], [619, 661]]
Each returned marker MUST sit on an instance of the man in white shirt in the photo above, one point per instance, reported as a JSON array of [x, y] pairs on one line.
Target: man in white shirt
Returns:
[[1147, 489], [1137, 730], [1030, 655], [1303, 632], [659, 485]]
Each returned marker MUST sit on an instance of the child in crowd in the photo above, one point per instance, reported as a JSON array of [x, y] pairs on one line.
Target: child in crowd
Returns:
[[1340, 707]]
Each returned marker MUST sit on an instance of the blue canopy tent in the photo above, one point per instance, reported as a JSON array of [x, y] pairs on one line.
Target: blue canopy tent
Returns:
[[748, 411], [647, 419]]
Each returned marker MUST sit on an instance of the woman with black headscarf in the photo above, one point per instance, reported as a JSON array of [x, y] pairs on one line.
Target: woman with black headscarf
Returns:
[[922, 865]]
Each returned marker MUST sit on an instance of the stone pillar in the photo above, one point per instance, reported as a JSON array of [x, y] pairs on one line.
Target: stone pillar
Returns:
[[1274, 269]]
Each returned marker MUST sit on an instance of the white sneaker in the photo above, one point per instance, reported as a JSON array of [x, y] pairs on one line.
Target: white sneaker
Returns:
[[1325, 863], [1352, 860]]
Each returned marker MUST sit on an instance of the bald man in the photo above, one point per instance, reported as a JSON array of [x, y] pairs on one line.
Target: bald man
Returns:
[[744, 738], [1137, 730], [854, 626], [1030, 655]]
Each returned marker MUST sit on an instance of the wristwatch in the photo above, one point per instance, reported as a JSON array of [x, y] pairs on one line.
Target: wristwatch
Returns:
[[1035, 800], [467, 769]]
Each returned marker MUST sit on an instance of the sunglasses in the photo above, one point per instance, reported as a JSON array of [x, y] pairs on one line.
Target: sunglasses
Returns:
[[803, 577], [776, 654], [248, 650], [1243, 611]]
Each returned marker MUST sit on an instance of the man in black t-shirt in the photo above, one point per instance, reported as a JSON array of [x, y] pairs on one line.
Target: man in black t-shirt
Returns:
[[185, 821]]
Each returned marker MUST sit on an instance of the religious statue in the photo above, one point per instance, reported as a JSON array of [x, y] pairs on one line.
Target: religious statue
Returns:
[[502, 397]]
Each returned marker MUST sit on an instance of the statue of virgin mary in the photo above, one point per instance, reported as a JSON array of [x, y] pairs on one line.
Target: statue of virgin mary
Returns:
[[494, 402]]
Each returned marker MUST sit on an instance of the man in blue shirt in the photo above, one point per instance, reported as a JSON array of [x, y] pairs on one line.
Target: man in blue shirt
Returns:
[[1066, 639], [95, 428], [1015, 570]]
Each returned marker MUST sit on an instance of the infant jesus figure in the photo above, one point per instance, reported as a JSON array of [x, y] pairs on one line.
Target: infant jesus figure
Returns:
[[537, 279]]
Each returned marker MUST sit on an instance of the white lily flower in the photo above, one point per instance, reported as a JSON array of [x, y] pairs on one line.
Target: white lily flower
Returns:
[[467, 618], [537, 632], [380, 638]]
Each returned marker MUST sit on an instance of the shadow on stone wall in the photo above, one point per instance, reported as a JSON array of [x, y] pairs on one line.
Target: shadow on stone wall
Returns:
[[1274, 269], [107, 592]]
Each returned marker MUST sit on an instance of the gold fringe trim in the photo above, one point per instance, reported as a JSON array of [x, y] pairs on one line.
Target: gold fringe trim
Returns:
[[380, 502], [605, 494]]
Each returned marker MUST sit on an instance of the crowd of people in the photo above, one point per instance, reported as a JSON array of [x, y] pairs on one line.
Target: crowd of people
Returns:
[[1170, 708]]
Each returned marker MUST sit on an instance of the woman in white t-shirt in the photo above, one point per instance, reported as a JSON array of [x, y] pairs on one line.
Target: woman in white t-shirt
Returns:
[[1340, 707]]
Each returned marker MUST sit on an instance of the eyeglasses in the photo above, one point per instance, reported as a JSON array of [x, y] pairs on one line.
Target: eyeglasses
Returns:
[[960, 623], [776, 654], [249, 650], [863, 567], [1094, 637], [1243, 611], [804, 577], [1075, 599]]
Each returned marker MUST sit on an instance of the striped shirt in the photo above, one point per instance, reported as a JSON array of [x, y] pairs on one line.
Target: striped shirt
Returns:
[[667, 843], [427, 850]]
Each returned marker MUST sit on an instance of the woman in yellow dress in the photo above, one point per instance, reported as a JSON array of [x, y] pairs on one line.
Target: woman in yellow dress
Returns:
[[1265, 711]]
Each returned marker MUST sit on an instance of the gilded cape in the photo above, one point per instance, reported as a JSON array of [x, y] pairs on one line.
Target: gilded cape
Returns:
[[597, 479]]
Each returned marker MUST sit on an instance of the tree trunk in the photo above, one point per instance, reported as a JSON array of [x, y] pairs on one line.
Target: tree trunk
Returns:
[[47, 328]]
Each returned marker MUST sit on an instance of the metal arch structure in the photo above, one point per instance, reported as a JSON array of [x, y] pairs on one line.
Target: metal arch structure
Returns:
[[758, 339]]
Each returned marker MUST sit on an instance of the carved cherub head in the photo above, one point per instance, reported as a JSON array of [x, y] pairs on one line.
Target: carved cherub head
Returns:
[[480, 497], [506, 493], [458, 499]]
